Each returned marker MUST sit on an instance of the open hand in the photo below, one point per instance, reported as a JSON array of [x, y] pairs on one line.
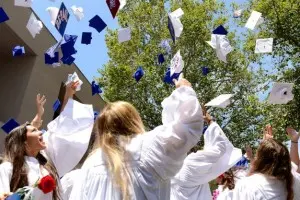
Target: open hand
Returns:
[[40, 102], [293, 134], [268, 132], [249, 153]]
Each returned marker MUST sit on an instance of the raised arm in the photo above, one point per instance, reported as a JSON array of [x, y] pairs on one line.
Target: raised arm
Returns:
[[294, 137], [69, 94], [40, 102], [166, 146]]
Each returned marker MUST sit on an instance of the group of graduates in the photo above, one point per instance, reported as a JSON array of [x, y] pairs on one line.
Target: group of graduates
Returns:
[[115, 158]]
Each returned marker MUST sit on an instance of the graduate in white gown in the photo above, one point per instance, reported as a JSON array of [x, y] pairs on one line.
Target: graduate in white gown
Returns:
[[270, 174], [129, 163], [30, 155], [218, 155]]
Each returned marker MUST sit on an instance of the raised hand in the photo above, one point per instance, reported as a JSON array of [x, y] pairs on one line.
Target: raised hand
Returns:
[[292, 134], [40, 102], [71, 89], [268, 132]]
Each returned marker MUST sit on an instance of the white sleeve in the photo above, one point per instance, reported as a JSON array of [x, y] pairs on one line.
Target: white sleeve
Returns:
[[197, 167], [68, 136], [296, 185], [243, 191], [5, 176], [67, 183], [181, 130]]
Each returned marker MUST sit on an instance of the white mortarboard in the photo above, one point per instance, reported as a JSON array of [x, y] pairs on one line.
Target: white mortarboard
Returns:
[[177, 64], [78, 12], [34, 25], [221, 101], [281, 93], [73, 78], [175, 20], [213, 41], [122, 4], [237, 13], [124, 34], [264, 45], [23, 3], [223, 47], [53, 11], [253, 20]]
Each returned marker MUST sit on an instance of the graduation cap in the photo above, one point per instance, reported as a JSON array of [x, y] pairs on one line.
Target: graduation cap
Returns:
[[237, 13], [281, 93], [264, 45], [221, 101], [23, 3], [95, 88], [177, 63], [223, 47], [10, 125], [95, 115], [14, 196], [174, 24], [97, 23], [169, 79], [113, 6], [68, 60], [34, 26], [86, 38], [161, 59], [253, 20], [74, 78], [49, 60], [138, 74], [53, 12], [3, 15], [124, 34], [220, 30], [18, 51], [78, 12], [67, 48], [205, 70], [56, 105]]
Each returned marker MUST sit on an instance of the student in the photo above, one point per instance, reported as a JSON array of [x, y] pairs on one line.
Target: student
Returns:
[[270, 174], [30, 155], [129, 163], [218, 155]]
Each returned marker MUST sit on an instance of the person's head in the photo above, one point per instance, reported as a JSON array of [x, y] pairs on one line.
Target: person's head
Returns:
[[273, 159], [25, 140], [119, 121]]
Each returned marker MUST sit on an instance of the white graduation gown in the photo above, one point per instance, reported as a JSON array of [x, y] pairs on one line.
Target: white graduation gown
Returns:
[[201, 167], [296, 186], [260, 187], [151, 158], [67, 140]]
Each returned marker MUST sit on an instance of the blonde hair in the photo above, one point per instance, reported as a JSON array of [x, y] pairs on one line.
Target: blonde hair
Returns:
[[119, 121]]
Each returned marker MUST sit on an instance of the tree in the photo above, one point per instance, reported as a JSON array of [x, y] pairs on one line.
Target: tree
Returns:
[[148, 22]]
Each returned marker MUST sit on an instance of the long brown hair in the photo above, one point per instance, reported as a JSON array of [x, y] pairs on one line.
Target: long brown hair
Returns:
[[273, 159], [228, 180], [15, 152], [119, 121]]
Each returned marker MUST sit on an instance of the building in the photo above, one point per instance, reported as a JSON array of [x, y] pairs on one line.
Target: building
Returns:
[[22, 78]]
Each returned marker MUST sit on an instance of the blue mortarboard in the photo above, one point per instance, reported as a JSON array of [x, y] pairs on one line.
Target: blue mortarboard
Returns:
[[49, 60], [171, 29], [68, 60], [56, 105], [242, 163], [205, 70], [96, 115], [161, 58], [18, 51], [220, 30], [86, 38], [95, 88], [13, 197], [168, 79], [10, 125], [139, 73], [97, 23], [3, 15], [67, 48]]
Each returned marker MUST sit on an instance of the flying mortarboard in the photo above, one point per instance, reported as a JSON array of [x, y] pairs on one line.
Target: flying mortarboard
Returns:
[[23, 3], [253, 20], [95, 88], [223, 47], [237, 13], [264, 45], [86, 38], [169, 79], [113, 6], [67, 48], [34, 26], [78, 12], [161, 59], [281, 93], [138, 74], [49, 60], [68, 60], [74, 78], [174, 24], [205, 70], [97, 23], [221, 101], [18, 51], [177, 63], [10, 125], [53, 12], [3, 15], [56, 105], [124, 34], [220, 30]]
